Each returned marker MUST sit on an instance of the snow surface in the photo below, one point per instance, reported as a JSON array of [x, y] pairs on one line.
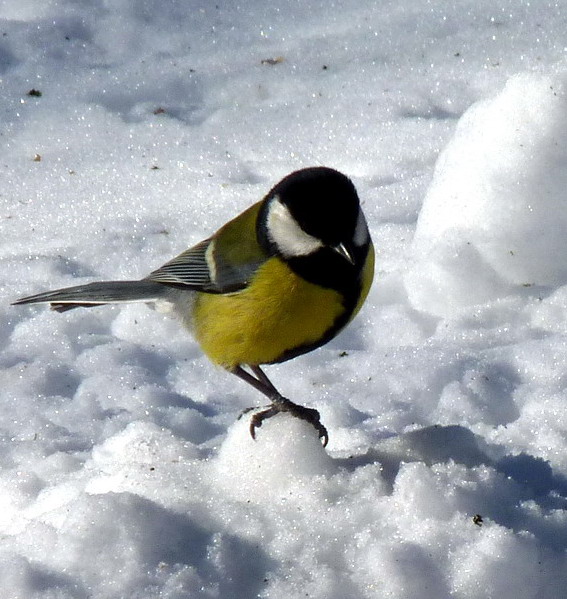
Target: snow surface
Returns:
[[124, 469]]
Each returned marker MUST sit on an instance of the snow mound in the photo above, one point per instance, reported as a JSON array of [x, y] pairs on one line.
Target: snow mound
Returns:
[[494, 222]]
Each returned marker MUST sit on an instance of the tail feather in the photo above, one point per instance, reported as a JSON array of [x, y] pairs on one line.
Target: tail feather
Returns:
[[96, 294]]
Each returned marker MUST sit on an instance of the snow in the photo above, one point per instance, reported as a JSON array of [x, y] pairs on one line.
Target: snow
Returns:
[[493, 215], [124, 469]]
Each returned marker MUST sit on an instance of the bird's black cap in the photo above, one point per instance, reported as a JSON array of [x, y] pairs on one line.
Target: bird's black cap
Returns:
[[322, 200]]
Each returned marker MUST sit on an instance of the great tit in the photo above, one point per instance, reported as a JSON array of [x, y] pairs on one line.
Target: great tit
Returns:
[[279, 280]]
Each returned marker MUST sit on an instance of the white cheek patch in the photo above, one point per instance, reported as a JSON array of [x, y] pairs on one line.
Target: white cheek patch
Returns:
[[361, 235], [290, 239]]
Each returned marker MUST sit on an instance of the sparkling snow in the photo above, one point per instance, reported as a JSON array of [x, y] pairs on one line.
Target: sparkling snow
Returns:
[[129, 130]]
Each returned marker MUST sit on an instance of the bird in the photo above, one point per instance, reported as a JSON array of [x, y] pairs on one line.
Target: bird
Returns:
[[279, 280]]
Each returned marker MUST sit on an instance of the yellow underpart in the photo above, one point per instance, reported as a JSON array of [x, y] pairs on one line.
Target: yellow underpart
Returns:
[[367, 278], [256, 326]]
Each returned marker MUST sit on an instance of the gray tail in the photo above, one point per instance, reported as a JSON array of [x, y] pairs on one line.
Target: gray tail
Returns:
[[96, 294]]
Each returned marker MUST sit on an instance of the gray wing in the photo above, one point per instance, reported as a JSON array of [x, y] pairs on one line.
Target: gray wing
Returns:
[[200, 268], [189, 269]]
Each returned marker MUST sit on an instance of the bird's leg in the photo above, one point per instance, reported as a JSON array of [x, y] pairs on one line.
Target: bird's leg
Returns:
[[262, 377], [279, 403]]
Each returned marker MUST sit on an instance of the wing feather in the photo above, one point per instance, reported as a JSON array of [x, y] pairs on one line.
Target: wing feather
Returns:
[[223, 263], [189, 269]]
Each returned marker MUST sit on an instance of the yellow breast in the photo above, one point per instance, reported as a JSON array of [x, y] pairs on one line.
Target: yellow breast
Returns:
[[257, 325]]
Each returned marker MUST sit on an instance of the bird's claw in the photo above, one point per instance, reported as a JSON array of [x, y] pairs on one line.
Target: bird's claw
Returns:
[[309, 415]]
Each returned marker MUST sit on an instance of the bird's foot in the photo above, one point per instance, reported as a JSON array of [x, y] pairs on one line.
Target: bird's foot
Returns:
[[281, 404]]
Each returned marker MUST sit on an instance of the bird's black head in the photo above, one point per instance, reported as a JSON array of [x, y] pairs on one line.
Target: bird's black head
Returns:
[[312, 219], [322, 201]]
